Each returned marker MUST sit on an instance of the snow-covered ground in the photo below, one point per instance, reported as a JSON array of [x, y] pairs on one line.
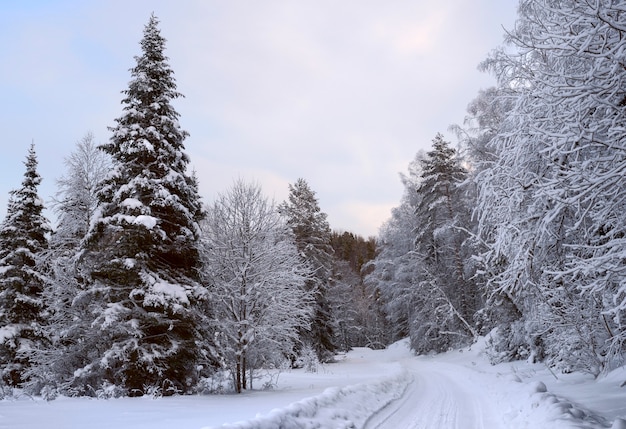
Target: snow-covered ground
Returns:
[[365, 389]]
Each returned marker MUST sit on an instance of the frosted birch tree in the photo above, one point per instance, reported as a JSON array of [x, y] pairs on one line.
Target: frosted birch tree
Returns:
[[68, 320], [76, 199], [256, 280], [553, 201], [395, 270]]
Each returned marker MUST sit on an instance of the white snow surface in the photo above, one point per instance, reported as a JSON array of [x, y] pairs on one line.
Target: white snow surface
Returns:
[[365, 389], [132, 203], [171, 291], [7, 332], [148, 221]]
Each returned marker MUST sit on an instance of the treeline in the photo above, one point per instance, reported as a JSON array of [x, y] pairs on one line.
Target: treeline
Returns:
[[521, 231], [143, 289]]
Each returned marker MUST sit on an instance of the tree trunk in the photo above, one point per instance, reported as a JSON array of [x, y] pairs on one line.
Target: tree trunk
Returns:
[[238, 377], [244, 380]]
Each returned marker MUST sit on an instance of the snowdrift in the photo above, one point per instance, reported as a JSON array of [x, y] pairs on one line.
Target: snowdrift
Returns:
[[532, 405], [347, 407]]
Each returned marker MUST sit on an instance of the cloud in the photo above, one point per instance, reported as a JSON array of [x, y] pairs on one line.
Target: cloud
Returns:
[[341, 94], [416, 33]]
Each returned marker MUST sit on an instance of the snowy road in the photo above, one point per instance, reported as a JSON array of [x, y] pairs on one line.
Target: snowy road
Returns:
[[438, 396], [366, 389]]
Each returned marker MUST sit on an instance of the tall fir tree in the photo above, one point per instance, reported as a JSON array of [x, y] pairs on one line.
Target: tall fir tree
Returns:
[[313, 238], [445, 316], [23, 239], [142, 252]]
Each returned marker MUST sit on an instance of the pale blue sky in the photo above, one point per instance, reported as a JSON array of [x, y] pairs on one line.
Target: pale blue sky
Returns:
[[341, 93]]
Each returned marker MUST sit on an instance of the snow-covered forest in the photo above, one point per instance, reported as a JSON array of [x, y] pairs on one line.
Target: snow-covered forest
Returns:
[[141, 288], [515, 232], [521, 228]]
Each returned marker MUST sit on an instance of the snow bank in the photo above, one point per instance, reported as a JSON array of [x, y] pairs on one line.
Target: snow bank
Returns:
[[533, 406], [346, 407], [529, 396], [606, 394]]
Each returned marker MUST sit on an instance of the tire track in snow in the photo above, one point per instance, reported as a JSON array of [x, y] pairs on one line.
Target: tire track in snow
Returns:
[[434, 399]]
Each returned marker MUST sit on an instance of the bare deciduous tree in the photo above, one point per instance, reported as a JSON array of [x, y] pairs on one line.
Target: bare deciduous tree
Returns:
[[256, 282]]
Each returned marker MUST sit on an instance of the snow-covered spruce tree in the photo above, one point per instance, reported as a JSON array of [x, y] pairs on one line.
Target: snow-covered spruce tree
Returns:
[[141, 256], [256, 280], [23, 239], [312, 232]]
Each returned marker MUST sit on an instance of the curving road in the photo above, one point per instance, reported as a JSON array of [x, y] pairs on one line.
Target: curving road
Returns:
[[439, 396]]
